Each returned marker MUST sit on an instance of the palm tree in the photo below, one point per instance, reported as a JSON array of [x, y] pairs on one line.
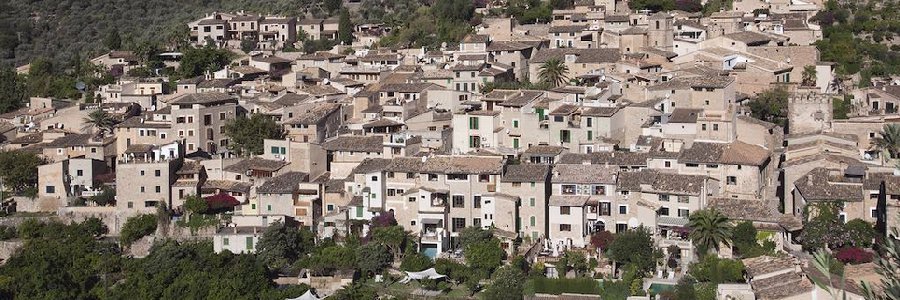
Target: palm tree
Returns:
[[709, 229], [101, 120], [554, 72], [809, 76], [888, 140]]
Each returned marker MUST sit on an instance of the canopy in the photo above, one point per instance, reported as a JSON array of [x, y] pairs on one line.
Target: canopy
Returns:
[[221, 200], [306, 296], [427, 274]]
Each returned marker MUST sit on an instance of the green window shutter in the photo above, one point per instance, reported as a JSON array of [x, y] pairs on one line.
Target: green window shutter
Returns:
[[532, 221], [532, 201], [515, 123], [274, 150], [515, 143], [590, 135], [225, 241], [359, 211], [249, 243]]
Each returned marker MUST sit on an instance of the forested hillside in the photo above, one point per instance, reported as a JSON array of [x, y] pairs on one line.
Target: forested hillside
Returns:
[[861, 37], [60, 29]]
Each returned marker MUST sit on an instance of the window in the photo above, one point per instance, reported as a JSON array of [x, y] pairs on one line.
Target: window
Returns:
[[158, 189], [374, 178], [565, 227], [531, 201], [605, 209], [476, 200], [873, 212], [249, 243], [157, 173], [715, 127], [225, 241], [142, 172], [515, 123], [411, 199], [142, 189], [668, 164], [457, 224], [568, 189], [473, 122], [599, 190], [391, 192], [703, 127], [565, 210], [590, 122], [476, 222], [432, 177], [684, 199], [532, 221], [623, 209], [79, 172], [564, 136], [474, 141], [663, 211], [410, 175], [459, 201], [457, 177], [664, 198], [683, 213], [484, 178], [51, 189], [221, 116], [268, 207], [731, 180]]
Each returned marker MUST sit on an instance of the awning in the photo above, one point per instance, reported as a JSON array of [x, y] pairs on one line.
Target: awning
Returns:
[[306, 296], [431, 221], [426, 274], [671, 221]]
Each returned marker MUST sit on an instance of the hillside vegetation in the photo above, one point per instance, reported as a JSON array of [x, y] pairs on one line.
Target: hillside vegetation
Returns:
[[59, 30]]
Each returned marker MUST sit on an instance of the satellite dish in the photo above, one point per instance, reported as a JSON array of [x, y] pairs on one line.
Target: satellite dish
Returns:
[[80, 86]]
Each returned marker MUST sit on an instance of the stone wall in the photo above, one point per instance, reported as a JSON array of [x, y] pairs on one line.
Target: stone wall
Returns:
[[809, 111]]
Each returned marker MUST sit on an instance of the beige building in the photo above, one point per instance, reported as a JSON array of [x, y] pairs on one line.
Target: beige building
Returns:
[[200, 120]]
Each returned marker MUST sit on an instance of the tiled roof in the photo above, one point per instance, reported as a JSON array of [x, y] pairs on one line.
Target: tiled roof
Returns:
[[526, 173], [568, 200], [370, 165], [685, 115], [820, 185], [564, 110], [283, 184], [584, 174], [513, 98], [600, 111], [407, 87], [602, 55], [567, 28], [355, 143], [734, 153], [655, 182], [507, 46], [545, 150], [448, 165], [228, 185], [315, 114], [255, 163], [694, 82], [203, 98], [749, 37]]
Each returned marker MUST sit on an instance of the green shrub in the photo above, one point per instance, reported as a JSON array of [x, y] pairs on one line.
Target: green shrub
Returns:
[[137, 227], [558, 286]]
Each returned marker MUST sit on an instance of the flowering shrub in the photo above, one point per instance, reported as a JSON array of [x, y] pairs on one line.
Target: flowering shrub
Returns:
[[854, 255]]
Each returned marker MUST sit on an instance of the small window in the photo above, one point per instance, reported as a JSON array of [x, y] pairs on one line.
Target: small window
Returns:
[[157, 173], [731, 180], [50, 189], [623, 209], [225, 241], [565, 210], [565, 227]]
